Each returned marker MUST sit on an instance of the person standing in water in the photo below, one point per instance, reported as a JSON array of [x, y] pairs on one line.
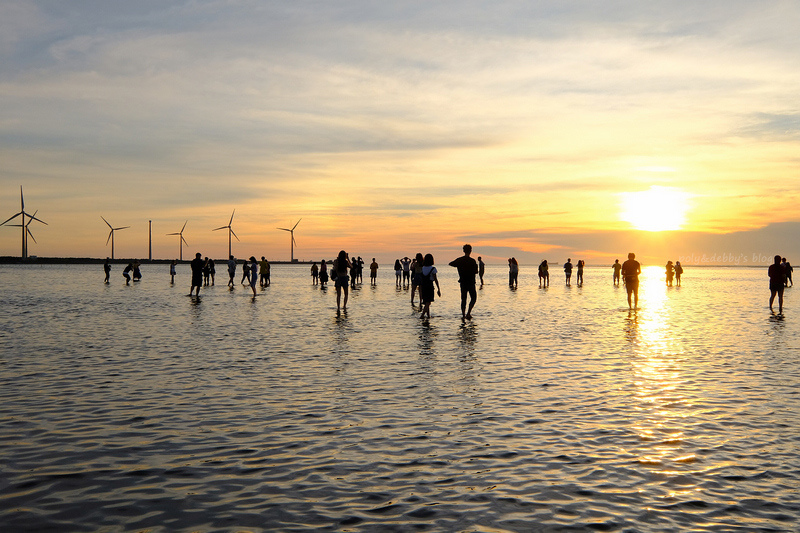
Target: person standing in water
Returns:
[[137, 272], [263, 272], [544, 274], [467, 270], [426, 287], [323, 274], [513, 272], [212, 270], [342, 265], [481, 269], [617, 267], [231, 271], [568, 270], [172, 272], [314, 274], [253, 274], [630, 273], [245, 271], [787, 271], [373, 272], [580, 272], [777, 282], [406, 262], [107, 270], [197, 265], [670, 271], [416, 275], [127, 273], [398, 272], [678, 272]]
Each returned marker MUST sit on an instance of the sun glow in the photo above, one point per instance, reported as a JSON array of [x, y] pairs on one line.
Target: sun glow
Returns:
[[657, 209]]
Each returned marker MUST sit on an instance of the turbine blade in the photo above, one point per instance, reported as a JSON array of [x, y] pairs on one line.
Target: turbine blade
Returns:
[[232, 233], [231, 222], [184, 241], [173, 233], [33, 217], [12, 218], [221, 227], [296, 224], [21, 199], [123, 227], [106, 221], [30, 234], [184, 226], [284, 229], [110, 233]]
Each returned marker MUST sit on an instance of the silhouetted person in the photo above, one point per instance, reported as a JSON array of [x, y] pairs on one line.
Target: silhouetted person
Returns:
[[406, 262], [107, 269], [617, 268], [481, 269], [263, 271], [670, 271], [787, 271], [580, 271], [568, 270], [127, 273], [416, 275], [398, 272], [467, 270], [777, 282], [426, 287], [544, 274], [513, 272], [630, 273], [172, 272], [245, 272], [678, 272], [137, 272], [212, 270], [373, 272], [198, 266], [323, 273], [231, 271], [253, 270], [341, 265], [314, 274]]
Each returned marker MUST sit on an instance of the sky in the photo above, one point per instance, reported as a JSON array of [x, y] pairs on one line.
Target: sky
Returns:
[[539, 130]]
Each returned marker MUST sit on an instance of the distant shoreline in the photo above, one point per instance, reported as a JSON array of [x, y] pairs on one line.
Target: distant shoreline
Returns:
[[8, 260]]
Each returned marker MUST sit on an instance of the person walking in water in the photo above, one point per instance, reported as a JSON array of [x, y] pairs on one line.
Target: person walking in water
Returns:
[[787, 271], [513, 272], [580, 272], [481, 269], [630, 273], [777, 282], [568, 270], [253, 274], [373, 272], [107, 270], [231, 271], [617, 267], [314, 274], [172, 272], [197, 265], [342, 265], [544, 274], [426, 287], [467, 270], [678, 272], [245, 272], [127, 273]]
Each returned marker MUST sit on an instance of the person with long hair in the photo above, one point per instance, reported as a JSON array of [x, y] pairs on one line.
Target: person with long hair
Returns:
[[416, 274], [342, 265], [426, 286]]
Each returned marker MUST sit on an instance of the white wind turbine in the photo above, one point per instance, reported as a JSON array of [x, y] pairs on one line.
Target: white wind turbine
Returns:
[[230, 232], [292, 233], [182, 241], [111, 234], [24, 225]]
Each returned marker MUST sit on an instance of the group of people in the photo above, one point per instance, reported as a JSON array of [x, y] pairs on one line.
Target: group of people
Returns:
[[132, 271], [674, 272]]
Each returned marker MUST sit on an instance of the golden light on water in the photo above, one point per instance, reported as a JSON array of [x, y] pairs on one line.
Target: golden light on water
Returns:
[[656, 209]]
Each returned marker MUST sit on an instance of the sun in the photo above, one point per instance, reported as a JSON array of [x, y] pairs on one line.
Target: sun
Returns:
[[656, 209]]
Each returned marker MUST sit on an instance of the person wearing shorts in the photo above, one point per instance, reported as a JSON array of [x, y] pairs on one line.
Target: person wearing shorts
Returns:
[[630, 273]]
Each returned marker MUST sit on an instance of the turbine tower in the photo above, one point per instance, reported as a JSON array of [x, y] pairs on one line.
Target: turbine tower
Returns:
[[292, 233], [182, 240], [111, 234], [230, 232], [25, 229]]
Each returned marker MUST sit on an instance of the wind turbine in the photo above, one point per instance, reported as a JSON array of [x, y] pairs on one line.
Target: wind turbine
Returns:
[[182, 240], [230, 232], [292, 232], [111, 234], [25, 229]]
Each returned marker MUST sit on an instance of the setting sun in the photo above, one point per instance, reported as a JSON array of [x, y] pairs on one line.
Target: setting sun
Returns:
[[657, 209]]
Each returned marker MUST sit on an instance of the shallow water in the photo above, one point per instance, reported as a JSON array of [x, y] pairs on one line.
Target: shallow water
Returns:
[[138, 408]]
